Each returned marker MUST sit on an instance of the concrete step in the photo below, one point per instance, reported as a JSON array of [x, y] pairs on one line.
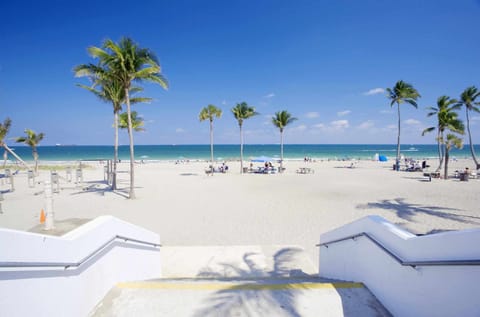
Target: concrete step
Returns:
[[236, 261], [244, 297]]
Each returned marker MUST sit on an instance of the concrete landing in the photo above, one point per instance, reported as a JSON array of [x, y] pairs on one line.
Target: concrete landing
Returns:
[[271, 297], [238, 281]]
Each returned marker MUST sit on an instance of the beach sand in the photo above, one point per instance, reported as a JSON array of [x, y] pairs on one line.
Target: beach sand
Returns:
[[187, 207]]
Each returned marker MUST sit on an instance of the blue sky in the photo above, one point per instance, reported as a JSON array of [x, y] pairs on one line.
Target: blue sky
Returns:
[[324, 61]]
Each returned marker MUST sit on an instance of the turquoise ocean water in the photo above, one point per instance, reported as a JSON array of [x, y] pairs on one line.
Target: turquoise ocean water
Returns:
[[232, 152]]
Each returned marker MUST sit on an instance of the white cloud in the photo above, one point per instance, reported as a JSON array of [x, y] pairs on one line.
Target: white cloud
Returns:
[[366, 125], [179, 130], [412, 122], [312, 115], [391, 126], [224, 102], [301, 127], [319, 126], [340, 124], [270, 95], [343, 113], [374, 91], [386, 111], [475, 118]]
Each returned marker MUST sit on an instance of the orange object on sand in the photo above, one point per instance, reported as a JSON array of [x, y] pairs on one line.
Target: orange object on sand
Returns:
[[42, 217]]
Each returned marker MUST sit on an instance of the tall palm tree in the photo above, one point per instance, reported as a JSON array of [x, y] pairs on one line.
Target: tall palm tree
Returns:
[[32, 139], [241, 112], [108, 89], [137, 121], [468, 99], [402, 92], [127, 62], [443, 111], [4, 129], [209, 113], [281, 120]]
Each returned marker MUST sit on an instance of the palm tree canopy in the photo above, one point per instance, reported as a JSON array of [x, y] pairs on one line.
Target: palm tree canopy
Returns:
[[403, 92], [468, 98], [282, 119], [453, 140], [210, 112], [4, 128], [243, 111], [137, 121], [127, 62], [32, 139], [446, 117]]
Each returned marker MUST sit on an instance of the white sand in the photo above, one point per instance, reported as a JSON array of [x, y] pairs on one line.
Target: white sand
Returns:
[[187, 207]]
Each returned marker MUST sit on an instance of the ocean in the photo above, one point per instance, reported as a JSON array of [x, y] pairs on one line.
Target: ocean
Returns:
[[232, 152]]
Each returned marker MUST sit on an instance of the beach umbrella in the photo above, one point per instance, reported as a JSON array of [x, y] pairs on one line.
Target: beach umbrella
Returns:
[[382, 158]]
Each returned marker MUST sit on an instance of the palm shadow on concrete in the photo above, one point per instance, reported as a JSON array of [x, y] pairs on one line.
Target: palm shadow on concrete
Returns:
[[242, 299], [408, 211], [249, 298]]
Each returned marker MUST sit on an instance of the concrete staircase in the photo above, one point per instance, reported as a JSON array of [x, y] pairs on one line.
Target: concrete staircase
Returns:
[[239, 281]]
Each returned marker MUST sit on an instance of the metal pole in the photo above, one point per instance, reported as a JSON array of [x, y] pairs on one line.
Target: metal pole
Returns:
[[49, 219]]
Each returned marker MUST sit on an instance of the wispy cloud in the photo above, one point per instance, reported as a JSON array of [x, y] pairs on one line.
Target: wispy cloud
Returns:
[[366, 125], [339, 124], [312, 115], [224, 102], [319, 126], [374, 91], [391, 127], [412, 122], [386, 111], [300, 128], [343, 113], [270, 95], [179, 130]]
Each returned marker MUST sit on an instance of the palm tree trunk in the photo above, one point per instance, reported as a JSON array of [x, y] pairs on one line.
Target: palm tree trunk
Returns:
[[397, 162], [5, 157], [9, 150], [470, 141], [445, 174], [132, 153], [35, 158], [241, 150], [115, 151], [281, 151], [440, 151], [211, 144]]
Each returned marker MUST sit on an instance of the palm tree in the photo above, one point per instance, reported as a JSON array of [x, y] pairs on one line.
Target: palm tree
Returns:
[[32, 139], [241, 112], [127, 62], [400, 93], [443, 111], [468, 99], [210, 112], [109, 90], [137, 121], [281, 120], [451, 141], [4, 129]]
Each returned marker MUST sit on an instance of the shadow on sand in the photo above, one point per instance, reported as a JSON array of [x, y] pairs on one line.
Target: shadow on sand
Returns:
[[408, 211]]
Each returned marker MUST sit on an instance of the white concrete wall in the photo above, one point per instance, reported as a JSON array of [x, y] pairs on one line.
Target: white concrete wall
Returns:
[[407, 291], [72, 292]]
